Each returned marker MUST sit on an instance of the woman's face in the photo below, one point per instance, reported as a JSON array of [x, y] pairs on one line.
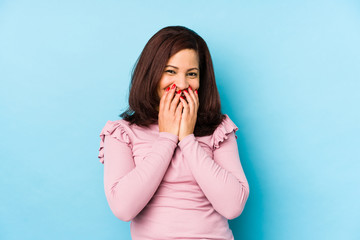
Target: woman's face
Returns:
[[182, 69]]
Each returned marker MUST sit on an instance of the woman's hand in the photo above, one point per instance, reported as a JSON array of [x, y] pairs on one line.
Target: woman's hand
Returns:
[[189, 115], [170, 112]]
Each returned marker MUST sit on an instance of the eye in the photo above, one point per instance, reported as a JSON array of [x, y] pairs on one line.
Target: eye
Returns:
[[170, 71], [193, 74]]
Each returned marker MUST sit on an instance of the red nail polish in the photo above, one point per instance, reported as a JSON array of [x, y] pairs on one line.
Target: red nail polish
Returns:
[[168, 89], [173, 86], [186, 91], [182, 97], [190, 88], [196, 91], [178, 91]]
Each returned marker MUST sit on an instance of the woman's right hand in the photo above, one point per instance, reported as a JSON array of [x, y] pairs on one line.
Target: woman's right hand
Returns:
[[170, 110]]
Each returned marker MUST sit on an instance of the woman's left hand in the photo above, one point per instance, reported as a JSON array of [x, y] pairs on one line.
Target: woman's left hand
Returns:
[[189, 114]]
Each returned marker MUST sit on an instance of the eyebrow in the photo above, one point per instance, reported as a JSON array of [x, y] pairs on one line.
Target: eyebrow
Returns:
[[178, 68]]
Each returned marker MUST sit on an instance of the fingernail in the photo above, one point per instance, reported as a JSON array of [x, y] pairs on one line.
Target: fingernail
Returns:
[[186, 91], [168, 89], [173, 86], [178, 91], [190, 88], [196, 91], [182, 97]]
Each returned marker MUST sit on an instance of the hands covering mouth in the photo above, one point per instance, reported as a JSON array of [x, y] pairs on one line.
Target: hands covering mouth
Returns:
[[182, 95], [178, 117]]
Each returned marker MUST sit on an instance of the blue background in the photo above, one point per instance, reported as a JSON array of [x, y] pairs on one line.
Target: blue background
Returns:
[[288, 73]]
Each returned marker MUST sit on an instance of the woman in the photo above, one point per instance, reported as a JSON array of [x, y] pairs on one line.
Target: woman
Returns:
[[171, 165]]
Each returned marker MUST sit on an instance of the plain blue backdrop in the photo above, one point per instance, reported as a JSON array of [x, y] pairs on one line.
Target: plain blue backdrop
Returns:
[[288, 74]]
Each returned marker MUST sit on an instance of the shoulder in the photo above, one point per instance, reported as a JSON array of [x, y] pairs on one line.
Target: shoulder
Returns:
[[118, 129], [126, 132], [222, 132]]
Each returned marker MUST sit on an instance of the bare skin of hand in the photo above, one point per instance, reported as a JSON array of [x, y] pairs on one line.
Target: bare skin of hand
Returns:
[[170, 112], [189, 114]]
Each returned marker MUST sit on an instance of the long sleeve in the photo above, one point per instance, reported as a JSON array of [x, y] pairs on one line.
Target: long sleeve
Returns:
[[129, 187], [222, 179]]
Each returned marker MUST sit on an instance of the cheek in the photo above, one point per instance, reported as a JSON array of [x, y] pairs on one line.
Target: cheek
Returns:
[[161, 88], [195, 85], [164, 82], [160, 93]]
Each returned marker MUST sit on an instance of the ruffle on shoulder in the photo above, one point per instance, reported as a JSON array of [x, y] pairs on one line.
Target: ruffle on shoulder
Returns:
[[225, 128], [116, 130]]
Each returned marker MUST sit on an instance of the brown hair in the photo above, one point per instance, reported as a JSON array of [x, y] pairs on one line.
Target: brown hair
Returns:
[[147, 72]]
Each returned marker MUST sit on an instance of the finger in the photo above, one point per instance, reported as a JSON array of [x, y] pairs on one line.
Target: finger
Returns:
[[193, 95], [169, 97], [162, 100], [190, 100], [179, 109], [175, 102], [186, 107], [197, 98], [197, 94]]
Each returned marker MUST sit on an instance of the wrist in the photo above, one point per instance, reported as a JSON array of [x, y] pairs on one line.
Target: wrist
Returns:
[[186, 140], [184, 136]]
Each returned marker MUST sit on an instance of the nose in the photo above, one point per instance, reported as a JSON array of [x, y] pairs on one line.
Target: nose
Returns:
[[181, 83]]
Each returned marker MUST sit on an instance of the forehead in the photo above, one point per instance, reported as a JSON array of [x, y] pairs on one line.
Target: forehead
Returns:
[[184, 58]]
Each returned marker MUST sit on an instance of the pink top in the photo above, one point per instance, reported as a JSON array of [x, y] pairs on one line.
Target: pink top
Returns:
[[170, 189]]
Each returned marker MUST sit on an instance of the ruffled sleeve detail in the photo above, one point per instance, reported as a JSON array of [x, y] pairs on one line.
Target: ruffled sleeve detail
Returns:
[[225, 128], [116, 130]]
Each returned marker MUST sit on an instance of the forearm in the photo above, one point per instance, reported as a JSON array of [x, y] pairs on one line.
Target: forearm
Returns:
[[128, 193], [226, 189]]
